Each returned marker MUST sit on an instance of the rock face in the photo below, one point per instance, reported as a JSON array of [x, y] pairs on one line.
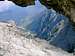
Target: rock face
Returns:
[[13, 42], [63, 6], [23, 3], [53, 27], [73, 15], [59, 5]]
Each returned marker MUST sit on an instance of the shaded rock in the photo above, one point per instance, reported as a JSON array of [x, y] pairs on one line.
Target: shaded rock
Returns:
[[23, 3]]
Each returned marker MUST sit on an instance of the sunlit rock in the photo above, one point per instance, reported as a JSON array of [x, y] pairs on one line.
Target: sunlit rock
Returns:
[[13, 43]]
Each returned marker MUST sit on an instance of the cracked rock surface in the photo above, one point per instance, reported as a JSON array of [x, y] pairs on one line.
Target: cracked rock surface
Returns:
[[14, 42]]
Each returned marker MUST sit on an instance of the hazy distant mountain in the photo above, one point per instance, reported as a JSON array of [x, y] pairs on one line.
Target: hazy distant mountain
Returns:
[[18, 13]]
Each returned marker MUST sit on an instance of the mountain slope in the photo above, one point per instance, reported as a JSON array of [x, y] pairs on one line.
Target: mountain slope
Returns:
[[53, 27], [17, 13], [14, 42]]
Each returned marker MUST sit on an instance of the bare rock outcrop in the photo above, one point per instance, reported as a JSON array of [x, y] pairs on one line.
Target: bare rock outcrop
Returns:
[[14, 42]]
